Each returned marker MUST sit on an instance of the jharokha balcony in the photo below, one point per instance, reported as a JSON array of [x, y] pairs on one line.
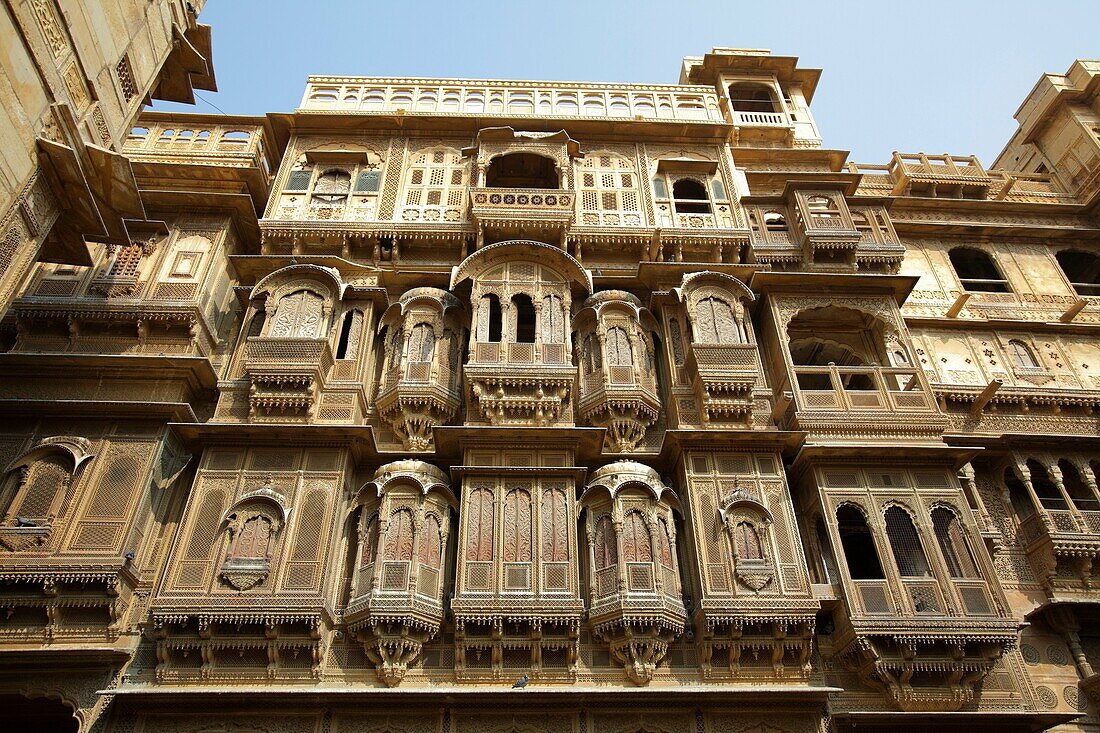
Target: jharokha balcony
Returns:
[[1059, 508]]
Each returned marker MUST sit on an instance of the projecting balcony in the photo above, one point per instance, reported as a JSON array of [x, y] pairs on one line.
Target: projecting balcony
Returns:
[[223, 151], [286, 373], [522, 212], [725, 376], [893, 389], [1067, 543]]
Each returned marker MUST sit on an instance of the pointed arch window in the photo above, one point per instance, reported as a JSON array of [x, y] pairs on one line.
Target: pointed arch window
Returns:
[[747, 542], [905, 544], [637, 546], [953, 546], [524, 312], [604, 544], [479, 526], [1045, 488], [689, 196], [351, 331], [431, 543], [664, 537], [553, 320], [40, 490], [370, 541], [421, 343], [517, 526], [618, 348], [555, 537], [399, 536], [1022, 355]]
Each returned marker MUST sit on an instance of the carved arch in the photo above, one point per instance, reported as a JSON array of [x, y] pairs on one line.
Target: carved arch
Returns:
[[492, 255]]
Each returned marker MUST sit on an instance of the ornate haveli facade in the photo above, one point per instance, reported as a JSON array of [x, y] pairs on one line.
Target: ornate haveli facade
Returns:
[[521, 407]]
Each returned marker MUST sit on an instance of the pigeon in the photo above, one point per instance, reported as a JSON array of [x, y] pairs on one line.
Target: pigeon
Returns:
[[520, 683]]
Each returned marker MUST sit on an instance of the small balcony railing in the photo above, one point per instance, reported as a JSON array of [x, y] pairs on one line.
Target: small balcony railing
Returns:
[[768, 119], [289, 353], [894, 389]]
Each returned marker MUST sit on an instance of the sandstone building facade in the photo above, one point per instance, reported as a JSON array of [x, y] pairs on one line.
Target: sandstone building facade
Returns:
[[637, 395]]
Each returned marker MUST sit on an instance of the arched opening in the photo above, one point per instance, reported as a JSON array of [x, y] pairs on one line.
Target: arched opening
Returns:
[[822, 207], [489, 319], [746, 542], [1076, 487], [1022, 355], [953, 546], [860, 554], [976, 271], [905, 544], [835, 336], [39, 714], [1018, 495], [525, 318], [1082, 269], [689, 196], [521, 170], [752, 98], [1045, 488], [347, 345]]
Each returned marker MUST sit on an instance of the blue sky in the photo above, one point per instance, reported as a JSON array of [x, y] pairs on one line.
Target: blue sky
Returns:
[[926, 75]]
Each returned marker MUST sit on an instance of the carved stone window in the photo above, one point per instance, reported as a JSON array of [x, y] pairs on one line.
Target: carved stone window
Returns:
[[489, 319], [421, 343], [431, 543], [715, 322], [253, 523], [749, 97], [608, 191], [1045, 488], [593, 357], [298, 315], [399, 536], [435, 186], [677, 339], [905, 544], [332, 188], [775, 221], [953, 546], [689, 196], [618, 348], [1022, 355], [555, 532], [553, 320], [479, 534], [604, 544], [517, 526], [636, 543], [40, 490], [747, 542]]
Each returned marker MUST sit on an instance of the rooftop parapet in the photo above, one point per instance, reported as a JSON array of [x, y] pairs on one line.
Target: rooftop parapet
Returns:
[[508, 99], [955, 176]]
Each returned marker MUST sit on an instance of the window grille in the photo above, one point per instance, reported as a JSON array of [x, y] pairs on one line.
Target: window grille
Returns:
[[126, 83], [299, 180], [435, 187], [905, 544], [609, 192]]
